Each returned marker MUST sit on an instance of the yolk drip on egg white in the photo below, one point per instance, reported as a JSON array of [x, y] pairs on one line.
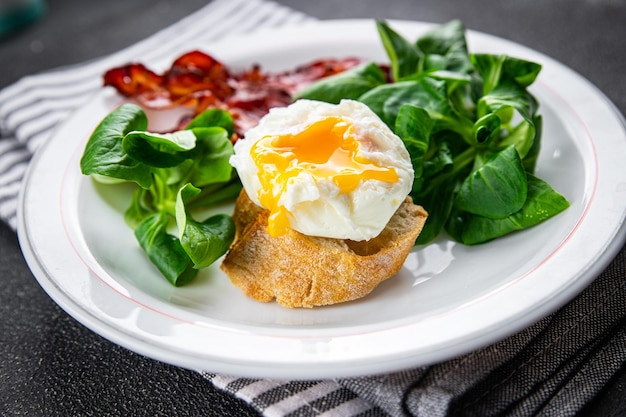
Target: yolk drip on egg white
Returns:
[[325, 149]]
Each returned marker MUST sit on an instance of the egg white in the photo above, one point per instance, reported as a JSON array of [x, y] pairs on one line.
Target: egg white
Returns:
[[317, 206]]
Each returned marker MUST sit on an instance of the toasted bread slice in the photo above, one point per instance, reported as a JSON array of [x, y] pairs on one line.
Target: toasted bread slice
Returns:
[[305, 271]]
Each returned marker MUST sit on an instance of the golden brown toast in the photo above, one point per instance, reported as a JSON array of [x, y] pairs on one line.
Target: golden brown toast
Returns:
[[305, 271]]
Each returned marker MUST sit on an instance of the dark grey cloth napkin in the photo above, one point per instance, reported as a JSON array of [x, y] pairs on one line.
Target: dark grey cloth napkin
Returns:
[[553, 368]]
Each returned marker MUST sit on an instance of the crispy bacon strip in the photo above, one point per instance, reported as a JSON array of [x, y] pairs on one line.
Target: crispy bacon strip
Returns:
[[133, 80], [197, 71], [199, 81], [299, 78]]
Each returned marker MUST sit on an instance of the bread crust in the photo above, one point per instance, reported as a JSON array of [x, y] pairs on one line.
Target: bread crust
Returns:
[[306, 271]]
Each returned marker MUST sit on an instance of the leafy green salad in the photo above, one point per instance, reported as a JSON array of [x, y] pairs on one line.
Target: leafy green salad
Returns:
[[471, 127], [469, 122], [175, 174]]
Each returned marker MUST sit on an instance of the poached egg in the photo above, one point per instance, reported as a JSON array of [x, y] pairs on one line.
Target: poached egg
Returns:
[[327, 170]]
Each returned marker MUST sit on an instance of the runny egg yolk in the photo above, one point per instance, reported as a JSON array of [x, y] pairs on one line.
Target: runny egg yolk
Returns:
[[325, 149]]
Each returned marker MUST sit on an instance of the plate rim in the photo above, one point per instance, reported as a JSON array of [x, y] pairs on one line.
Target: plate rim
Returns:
[[246, 368]]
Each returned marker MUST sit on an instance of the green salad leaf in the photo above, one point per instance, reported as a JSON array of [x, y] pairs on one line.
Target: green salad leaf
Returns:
[[164, 249], [106, 157], [496, 189], [175, 174], [471, 127], [405, 57], [350, 84], [204, 241]]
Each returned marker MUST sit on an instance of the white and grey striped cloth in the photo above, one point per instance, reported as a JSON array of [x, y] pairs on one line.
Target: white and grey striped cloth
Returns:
[[538, 371]]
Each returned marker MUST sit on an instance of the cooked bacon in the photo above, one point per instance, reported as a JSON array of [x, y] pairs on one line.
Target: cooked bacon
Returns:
[[193, 79], [196, 71], [134, 80], [299, 78], [199, 81]]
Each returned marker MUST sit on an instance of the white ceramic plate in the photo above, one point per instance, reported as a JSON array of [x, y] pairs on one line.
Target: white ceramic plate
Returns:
[[447, 300]]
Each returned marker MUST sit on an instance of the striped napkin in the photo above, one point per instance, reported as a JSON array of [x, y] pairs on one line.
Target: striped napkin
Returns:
[[552, 368]]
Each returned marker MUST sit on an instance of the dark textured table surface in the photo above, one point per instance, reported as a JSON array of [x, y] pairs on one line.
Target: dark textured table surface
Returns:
[[52, 366]]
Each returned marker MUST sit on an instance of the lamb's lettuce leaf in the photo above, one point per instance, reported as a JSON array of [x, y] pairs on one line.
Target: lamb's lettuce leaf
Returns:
[[203, 241], [472, 128], [176, 173]]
